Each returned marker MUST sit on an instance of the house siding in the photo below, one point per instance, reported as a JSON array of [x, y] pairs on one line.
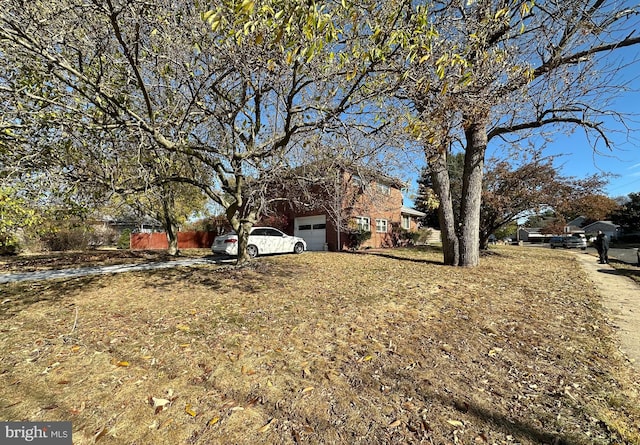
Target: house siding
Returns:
[[378, 201]]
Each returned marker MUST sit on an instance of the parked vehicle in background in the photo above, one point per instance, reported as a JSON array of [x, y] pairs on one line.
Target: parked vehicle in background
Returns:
[[556, 241], [577, 241], [262, 240]]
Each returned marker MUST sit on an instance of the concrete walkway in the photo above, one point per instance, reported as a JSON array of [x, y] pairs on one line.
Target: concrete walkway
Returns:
[[102, 270], [621, 295]]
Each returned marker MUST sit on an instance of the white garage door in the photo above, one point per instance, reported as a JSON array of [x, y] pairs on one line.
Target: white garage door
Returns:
[[313, 229]]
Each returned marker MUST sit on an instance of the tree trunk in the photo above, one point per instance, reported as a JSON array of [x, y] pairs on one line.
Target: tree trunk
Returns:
[[243, 230], [170, 225], [484, 241], [172, 238], [442, 188], [242, 226], [476, 137]]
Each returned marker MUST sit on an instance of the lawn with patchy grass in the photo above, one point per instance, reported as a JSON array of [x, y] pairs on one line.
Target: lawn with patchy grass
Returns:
[[323, 348]]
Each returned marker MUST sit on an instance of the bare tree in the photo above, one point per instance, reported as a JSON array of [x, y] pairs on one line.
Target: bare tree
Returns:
[[232, 89]]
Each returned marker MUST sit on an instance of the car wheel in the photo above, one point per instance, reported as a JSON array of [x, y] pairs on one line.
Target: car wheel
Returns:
[[252, 251], [298, 248]]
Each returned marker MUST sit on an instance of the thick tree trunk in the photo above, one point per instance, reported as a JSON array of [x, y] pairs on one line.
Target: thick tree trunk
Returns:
[[476, 137], [172, 238], [242, 227], [170, 225], [446, 216], [243, 241]]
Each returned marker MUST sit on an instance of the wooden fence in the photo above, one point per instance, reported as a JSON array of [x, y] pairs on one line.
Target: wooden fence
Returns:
[[158, 241]]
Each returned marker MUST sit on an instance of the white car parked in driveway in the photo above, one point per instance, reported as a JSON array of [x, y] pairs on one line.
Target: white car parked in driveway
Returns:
[[262, 240]]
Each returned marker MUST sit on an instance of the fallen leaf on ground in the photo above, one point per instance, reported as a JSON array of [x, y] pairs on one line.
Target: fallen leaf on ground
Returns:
[[189, 410], [266, 426]]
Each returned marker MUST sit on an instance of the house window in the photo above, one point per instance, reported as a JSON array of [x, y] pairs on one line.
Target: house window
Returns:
[[384, 189], [406, 222], [363, 223], [381, 225]]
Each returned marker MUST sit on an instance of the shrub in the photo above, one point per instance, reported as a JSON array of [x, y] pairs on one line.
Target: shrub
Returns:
[[403, 237], [356, 237], [423, 235], [124, 241], [102, 236], [8, 245], [67, 238]]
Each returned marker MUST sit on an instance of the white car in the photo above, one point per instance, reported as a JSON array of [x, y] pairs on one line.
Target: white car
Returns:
[[262, 240]]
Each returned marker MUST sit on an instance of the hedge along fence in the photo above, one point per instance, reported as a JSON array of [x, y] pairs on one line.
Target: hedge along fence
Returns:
[[158, 241]]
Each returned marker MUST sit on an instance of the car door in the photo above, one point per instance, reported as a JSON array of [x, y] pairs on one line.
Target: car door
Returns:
[[259, 239], [277, 241]]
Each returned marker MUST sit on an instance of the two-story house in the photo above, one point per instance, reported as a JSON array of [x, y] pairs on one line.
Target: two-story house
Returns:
[[352, 203]]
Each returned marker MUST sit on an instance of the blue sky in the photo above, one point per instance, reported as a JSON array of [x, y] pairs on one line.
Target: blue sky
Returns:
[[579, 159]]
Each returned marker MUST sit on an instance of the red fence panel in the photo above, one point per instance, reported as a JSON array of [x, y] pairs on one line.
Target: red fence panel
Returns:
[[158, 241], [148, 241], [195, 240]]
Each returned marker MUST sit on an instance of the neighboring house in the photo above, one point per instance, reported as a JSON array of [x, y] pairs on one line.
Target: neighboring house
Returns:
[[143, 224], [607, 227], [531, 235], [372, 205], [575, 225]]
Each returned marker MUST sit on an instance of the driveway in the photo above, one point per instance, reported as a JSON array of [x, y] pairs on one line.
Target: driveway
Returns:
[[103, 270]]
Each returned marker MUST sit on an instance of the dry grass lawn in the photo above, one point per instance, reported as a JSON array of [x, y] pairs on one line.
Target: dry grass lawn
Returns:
[[322, 348]]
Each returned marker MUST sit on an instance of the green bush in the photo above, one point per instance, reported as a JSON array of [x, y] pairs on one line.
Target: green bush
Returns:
[[9, 245], [422, 235], [357, 237], [124, 241]]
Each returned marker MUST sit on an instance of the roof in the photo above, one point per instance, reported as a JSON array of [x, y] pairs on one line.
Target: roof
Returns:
[[412, 212], [577, 222], [607, 224]]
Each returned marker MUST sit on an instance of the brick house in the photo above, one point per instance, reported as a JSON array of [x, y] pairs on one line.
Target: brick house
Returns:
[[374, 205]]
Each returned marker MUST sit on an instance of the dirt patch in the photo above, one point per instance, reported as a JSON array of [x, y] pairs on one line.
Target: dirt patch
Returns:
[[324, 348]]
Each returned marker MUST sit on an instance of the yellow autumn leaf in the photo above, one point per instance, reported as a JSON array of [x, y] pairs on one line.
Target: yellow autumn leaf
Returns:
[[247, 6], [189, 410], [367, 358], [455, 423], [122, 364], [213, 421], [75, 348], [307, 389]]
